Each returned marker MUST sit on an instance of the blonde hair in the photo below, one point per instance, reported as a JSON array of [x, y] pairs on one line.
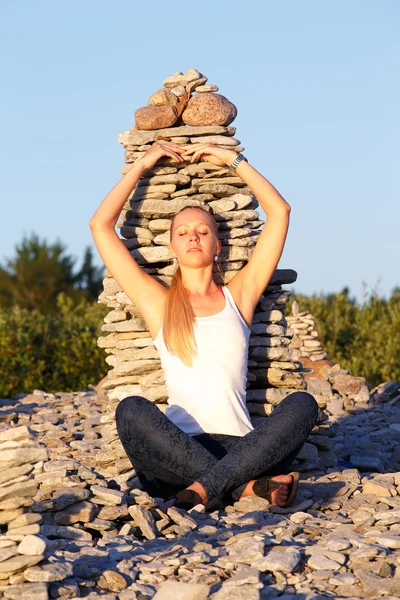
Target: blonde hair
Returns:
[[179, 317]]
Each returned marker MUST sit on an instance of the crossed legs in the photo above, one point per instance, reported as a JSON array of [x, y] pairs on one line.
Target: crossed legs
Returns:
[[167, 460]]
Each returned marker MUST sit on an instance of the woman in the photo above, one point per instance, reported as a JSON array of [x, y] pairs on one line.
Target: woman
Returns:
[[204, 447]]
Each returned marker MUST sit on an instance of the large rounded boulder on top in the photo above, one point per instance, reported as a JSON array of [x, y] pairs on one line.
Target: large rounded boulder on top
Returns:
[[209, 109], [155, 117]]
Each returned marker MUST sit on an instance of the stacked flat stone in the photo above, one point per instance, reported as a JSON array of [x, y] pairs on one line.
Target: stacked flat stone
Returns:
[[305, 334], [334, 388], [145, 223], [21, 458]]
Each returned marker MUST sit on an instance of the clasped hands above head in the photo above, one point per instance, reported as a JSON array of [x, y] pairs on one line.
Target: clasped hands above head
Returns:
[[188, 152], [209, 152]]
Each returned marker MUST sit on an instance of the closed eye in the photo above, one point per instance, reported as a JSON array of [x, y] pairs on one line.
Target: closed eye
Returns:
[[202, 232]]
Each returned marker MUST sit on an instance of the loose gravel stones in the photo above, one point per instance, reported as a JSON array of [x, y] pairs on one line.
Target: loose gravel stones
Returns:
[[340, 539]]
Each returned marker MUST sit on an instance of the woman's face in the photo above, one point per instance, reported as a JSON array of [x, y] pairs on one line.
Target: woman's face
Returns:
[[192, 229]]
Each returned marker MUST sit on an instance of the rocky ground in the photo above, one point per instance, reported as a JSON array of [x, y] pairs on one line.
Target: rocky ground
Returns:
[[72, 526]]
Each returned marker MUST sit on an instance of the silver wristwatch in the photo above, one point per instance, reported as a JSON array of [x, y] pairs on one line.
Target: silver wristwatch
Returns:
[[237, 160]]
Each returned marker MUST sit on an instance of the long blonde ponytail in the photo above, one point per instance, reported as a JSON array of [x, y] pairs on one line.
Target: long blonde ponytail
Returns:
[[179, 317]]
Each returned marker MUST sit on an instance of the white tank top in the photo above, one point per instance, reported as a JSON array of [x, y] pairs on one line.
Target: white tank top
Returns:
[[210, 396]]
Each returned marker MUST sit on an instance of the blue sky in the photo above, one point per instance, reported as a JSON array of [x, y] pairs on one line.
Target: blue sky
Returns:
[[316, 85]]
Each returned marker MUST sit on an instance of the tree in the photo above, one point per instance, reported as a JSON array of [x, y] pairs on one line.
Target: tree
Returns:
[[90, 278], [40, 271]]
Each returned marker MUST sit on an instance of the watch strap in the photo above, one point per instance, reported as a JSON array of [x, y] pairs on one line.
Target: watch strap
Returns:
[[237, 160]]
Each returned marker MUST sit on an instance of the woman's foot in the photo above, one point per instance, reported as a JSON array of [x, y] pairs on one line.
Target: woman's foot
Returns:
[[198, 496], [279, 497], [199, 493]]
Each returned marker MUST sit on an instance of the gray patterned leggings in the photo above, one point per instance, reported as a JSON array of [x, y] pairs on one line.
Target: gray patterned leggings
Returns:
[[167, 460]]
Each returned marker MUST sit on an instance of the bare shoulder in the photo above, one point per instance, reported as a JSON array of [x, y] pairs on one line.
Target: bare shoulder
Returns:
[[243, 296]]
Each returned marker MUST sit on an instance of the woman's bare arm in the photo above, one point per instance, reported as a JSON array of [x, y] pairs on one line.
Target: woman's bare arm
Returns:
[[109, 210], [140, 287]]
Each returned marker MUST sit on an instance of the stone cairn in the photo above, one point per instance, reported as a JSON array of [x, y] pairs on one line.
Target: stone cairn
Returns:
[[273, 367], [305, 334], [333, 387]]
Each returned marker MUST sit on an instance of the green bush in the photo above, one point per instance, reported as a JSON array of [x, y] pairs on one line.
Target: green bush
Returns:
[[365, 339], [59, 352], [51, 352]]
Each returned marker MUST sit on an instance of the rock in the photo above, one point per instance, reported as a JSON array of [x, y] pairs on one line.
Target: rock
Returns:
[[243, 592], [207, 88], [379, 488], [178, 78], [163, 98], [335, 406], [113, 581], [81, 511], [376, 586], [343, 579], [279, 560], [52, 572], [113, 496], [182, 591], [347, 385], [17, 563], [27, 591], [319, 561], [25, 488], [385, 392], [318, 386], [68, 588], [66, 496], [180, 518], [251, 503], [155, 117], [15, 434], [19, 456], [32, 545], [6, 553], [26, 530], [244, 575], [367, 460], [209, 109], [388, 540], [144, 520], [24, 520], [307, 452]]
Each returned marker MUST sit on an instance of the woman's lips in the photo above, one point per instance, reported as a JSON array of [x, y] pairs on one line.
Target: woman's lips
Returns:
[[194, 250]]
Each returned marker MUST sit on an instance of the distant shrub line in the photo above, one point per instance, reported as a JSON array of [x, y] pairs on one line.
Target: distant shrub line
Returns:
[[56, 352], [59, 352]]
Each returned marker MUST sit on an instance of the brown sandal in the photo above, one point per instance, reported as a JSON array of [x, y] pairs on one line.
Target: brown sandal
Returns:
[[185, 499], [264, 487]]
